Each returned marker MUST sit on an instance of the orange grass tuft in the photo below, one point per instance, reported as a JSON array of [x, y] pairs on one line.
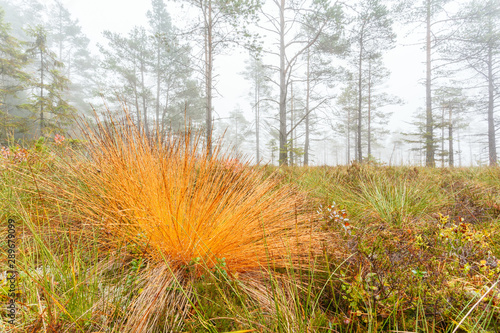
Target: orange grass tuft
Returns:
[[168, 200]]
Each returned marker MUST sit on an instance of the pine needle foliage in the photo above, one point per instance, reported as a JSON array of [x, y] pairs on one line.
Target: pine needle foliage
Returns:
[[169, 201]]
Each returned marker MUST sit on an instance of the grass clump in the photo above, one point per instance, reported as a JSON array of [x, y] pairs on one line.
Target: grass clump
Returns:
[[170, 201]]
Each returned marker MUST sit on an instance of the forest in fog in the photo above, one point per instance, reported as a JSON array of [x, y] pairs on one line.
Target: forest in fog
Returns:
[[316, 72]]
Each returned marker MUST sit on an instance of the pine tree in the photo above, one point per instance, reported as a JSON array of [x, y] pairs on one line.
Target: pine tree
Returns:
[[13, 79], [177, 95], [347, 115], [427, 12], [372, 33], [320, 17], [127, 60], [47, 103], [221, 22], [69, 43], [475, 43], [238, 128], [258, 74]]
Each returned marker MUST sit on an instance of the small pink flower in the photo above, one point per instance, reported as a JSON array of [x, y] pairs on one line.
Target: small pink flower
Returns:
[[58, 139]]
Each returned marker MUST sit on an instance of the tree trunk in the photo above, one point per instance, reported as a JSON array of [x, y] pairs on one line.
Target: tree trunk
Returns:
[[257, 117], [308, 88], [164, 114], [237, 139], [282, 115], [144, 105], [451, 159], [158, 80], [442, 137], [209, 70], [369, 109], [359, 152], [348, 153], [492, 148], [136, 98], [459, 148], [42, 122], [429, 139], [291, 124]]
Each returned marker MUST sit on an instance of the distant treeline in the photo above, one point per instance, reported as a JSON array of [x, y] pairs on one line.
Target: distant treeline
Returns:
[[316, 74]]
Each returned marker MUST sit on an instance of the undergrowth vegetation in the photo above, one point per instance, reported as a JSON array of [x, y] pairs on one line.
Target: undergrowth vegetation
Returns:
[[120, 233]]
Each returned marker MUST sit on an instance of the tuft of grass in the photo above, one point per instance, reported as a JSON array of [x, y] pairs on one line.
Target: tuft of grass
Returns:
[[394, 202], [375, 194], [170, 201]]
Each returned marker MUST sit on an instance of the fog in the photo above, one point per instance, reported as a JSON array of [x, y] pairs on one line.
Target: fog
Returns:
[[333, 83]]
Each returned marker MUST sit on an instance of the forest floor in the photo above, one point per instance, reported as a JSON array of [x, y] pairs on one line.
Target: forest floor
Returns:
[[396, 249]]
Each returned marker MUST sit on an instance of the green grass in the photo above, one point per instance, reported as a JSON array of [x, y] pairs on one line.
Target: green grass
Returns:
[[420, 253]]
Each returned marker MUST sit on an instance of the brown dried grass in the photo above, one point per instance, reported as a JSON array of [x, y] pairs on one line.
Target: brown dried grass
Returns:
[[168, 200]]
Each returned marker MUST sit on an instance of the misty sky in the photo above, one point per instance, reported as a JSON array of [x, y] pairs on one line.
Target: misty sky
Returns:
[[405, 61]]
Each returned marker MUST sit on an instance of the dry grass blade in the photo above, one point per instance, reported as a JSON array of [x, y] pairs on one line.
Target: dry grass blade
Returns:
[[160, 303], [475, 305]]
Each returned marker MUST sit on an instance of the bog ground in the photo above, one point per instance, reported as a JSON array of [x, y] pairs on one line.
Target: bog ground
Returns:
[[122, 234]]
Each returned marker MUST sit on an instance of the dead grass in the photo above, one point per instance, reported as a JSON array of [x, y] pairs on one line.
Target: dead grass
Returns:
[[171, 202]]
